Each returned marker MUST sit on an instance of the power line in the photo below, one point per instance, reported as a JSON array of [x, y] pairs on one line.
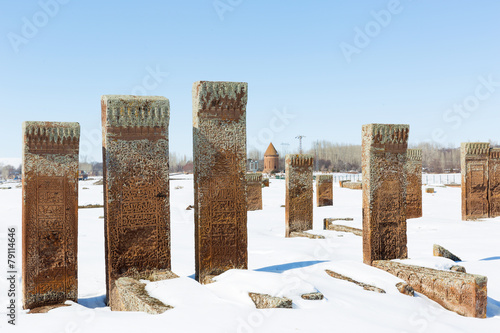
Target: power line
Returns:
[[300, 137]]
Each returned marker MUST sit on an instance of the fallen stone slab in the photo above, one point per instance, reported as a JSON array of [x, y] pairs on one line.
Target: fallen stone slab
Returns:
[[429, 190], [463, 293], [343, 228], [130, 295], [317, 296], [306, 235], [264, 301], [353, 185], [348, 279], [405, 289], [439, 251]]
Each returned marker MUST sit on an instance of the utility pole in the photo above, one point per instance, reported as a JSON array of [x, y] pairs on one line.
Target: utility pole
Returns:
[[300, 137]]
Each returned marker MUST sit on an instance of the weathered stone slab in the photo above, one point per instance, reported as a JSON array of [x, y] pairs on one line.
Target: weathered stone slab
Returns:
[[414, 183], [352, 185], [384, 191], [219, 145], [265, 182], [439, 251], [474, 165], [136, 186], [316, 296], [361, 284], [342, 228], [462, 293], [50, 213], [264, 301], [494, 182], [299, 193], [305, 235], [324, 190], [254, 191], [131, 295]]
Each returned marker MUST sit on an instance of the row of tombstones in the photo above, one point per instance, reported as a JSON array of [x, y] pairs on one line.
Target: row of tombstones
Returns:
[[136, 194]]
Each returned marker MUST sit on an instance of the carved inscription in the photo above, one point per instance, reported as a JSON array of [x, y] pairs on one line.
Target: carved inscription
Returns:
[[299, 193], [475, 184], [50, 204], [414, 183], [136, 179], [219, 139], [384, 191], [494, 182], [254, 191], [324, 190]]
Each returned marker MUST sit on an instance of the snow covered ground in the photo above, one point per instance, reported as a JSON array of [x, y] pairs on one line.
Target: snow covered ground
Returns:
[[277, 266]]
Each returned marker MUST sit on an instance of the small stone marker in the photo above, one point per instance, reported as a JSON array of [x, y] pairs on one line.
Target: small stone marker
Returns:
[[299, 193], [439, 251], [219, 141], [254, 191], [474, 165], [414, 183], [136, 188], [462, 293], [50, 213], [384, 191], [324, 190]]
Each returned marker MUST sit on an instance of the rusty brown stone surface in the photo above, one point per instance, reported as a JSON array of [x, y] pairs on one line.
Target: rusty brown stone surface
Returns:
[[324, 190], [463, 293], [414, 183], [219, 148], [439, 251], [254, 191], [136, 186], [299, 193], [494, 182], [474, 166], [265, 182], [50, 213], [384, 191]]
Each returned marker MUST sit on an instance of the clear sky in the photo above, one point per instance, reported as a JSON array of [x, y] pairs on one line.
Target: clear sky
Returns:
[[315, 68]]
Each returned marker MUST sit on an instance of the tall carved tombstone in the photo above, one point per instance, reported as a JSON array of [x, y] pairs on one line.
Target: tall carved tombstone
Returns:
[[50, 213], [324, 190], [136, 187], [494, 182], [219, 149], [414, 183], [474, 165], [254, 191], [384, 191], [299, 193]]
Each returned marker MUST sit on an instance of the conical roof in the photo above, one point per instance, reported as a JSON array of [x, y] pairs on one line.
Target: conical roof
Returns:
[[271, 150]]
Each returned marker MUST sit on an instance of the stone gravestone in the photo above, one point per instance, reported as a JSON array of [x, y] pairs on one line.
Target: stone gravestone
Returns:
[[136, 188], [474, 165], [219, 149], [494, 182], [254, 191], [50, 213], [299, 193], [384, 191], [324, 190], [414, 183]]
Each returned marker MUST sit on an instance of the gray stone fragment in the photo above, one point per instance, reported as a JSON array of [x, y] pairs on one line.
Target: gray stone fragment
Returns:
[[440, 251]]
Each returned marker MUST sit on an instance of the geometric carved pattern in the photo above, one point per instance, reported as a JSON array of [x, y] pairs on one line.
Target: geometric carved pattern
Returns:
[[136, 187], [254, 191], [475, 184], [494, 182], [414, 183], [219, 149], [384, 158], [324, 190], [50, 213], [299, 193]]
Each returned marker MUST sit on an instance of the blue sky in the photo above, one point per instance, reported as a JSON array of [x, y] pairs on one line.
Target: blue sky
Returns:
[[316, 68]]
